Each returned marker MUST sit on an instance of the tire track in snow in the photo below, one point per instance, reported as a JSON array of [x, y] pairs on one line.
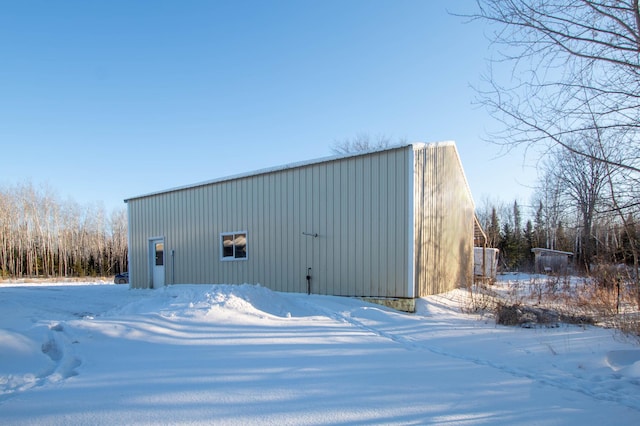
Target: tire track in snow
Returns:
[[57, 347], [590, 388]]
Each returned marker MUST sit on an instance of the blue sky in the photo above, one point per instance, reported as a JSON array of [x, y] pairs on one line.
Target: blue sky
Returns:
[[105, 100]]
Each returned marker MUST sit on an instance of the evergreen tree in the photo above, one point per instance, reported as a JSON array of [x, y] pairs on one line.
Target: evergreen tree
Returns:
[[508, 247], [529, 241], [493, 231]]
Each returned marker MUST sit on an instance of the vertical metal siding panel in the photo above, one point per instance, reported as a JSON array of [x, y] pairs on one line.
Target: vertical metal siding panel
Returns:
[[166, 232], [137, 253], [141, 271], [308, 225], [298, 211], [358, 253], [290, 226], [200, 234], [209, 235], [262, 238], [328, 232], [321, 277], [223, 226], [351, 228], [392, 231], [186, 257], [273, 235], [277, 232], [373, 229], [193, 232], [365, 228], [338, 191], [133, 241], [433, 222], [246, 224], [392, 224], [310, 202], [312, 217], [382, 226], [184, 253], [168, 235], [448, 259], [188, 227], [200, 225], [255, 232], [293, 230], [242, 214], [286, 273], [181, 243], [426, 204], [336, 228], [151, 232], [148, 228], [345, 196], [199, 208], [403, 176], [217, 229], [172, 235], [271, 243], [316, 188], [237, 213], [418, 179], [228, 225], [305, 218]]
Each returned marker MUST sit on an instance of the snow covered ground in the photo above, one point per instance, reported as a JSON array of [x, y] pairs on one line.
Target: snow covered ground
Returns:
[[98, 353]]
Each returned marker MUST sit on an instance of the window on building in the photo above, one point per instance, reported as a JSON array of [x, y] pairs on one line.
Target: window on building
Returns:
[[159, 248], [234, 245]]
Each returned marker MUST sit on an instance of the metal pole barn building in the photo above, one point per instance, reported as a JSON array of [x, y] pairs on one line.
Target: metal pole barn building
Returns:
[[389, 225]]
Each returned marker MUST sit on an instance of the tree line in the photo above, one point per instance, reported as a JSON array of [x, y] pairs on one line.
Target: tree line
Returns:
[[42, 236], [581, 205], [608, 240]]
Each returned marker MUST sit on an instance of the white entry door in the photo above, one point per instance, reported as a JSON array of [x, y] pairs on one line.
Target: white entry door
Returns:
[[157, 263]]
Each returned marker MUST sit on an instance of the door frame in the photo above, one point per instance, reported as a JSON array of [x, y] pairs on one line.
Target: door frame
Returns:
[[157, 277]]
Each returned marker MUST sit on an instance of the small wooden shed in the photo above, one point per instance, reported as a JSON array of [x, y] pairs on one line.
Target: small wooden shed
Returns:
[[389, 225], [549, 261]]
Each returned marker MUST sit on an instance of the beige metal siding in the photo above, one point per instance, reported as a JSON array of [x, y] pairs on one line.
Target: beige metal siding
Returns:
[[443, 221], [357, 205]]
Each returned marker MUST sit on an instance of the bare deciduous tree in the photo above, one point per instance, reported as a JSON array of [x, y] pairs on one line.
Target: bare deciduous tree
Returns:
[[363, 142], [574, 70], [581, 179]]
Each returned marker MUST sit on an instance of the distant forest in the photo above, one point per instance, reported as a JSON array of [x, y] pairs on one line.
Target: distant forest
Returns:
[[601, 238], [42, 236]]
